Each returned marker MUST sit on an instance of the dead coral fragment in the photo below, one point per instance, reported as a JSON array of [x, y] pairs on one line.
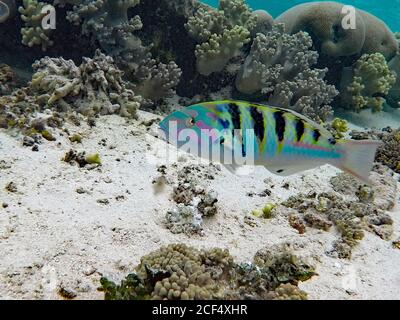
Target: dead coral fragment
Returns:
[[194, 203], [11, 187], [81, 158], [279, 68]]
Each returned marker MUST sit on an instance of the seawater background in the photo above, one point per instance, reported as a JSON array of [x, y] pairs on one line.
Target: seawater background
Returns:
[[387, 10]]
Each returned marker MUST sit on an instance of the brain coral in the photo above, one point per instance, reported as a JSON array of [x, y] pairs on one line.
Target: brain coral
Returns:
[[323, 20]]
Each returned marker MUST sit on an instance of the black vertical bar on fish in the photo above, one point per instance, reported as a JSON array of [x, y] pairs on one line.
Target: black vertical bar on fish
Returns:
[[316, 135], [300, 129], [280, 125], [258, 123], [234, 111]]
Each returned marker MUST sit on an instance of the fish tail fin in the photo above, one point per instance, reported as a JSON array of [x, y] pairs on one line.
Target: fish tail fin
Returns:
[[358, 157]]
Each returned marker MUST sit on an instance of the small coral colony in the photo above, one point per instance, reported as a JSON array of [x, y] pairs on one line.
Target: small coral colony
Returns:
[[108, 57]]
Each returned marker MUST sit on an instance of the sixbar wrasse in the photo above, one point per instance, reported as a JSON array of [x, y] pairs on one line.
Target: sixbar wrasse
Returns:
[[281, 140]]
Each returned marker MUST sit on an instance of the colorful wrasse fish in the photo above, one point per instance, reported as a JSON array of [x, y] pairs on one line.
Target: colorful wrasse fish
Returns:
[[283, 141]]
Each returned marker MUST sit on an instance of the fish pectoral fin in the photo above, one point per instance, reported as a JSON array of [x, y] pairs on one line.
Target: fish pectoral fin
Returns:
[[285, 170]]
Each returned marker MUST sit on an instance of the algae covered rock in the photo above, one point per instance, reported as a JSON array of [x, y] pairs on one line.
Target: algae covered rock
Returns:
[[324, 21], [352, 209]]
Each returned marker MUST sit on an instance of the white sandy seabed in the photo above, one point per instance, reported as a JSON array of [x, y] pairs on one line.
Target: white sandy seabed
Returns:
[[53, 237]]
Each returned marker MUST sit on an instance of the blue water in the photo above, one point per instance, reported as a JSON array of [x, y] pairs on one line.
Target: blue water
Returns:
[[387, 10]]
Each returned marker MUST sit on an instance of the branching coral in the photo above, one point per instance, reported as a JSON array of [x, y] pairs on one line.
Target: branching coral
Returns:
[[371, 83], [179, 272], [95, 87], [220, 34], [279, 67], [32, 13]]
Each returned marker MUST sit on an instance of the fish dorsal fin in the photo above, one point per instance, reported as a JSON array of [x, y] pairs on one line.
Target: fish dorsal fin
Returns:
[[239, 103], [300, 116]]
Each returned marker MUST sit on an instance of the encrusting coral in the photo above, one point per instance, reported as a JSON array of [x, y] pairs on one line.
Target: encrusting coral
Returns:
[[371, 82], [179, 272], [33, 34], [95, 87], [220, 34], [279, 68]]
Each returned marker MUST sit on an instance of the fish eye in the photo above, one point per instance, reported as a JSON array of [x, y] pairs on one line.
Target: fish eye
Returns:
[[191, 122]]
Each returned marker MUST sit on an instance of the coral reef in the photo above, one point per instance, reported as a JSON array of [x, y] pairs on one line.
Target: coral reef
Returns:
[[7, 10], [352, 209], [32, 13], [95, 87], [108, 22], [179, 272], [279, 67], [221, 34], [323, 20], [371, 82]]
